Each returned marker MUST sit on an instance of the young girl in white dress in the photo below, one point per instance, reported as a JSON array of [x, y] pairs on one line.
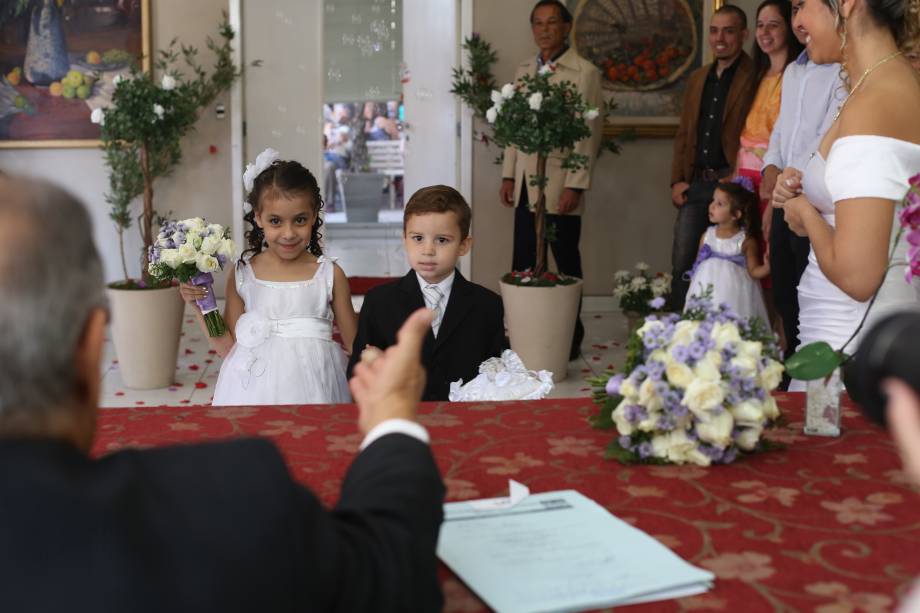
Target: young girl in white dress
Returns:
[[282, 298], [730, 259]]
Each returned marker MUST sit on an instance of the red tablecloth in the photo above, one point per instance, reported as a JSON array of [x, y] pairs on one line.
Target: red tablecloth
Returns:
[[827, 524]]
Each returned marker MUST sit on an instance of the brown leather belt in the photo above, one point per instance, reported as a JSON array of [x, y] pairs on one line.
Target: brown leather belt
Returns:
[[712, 174]]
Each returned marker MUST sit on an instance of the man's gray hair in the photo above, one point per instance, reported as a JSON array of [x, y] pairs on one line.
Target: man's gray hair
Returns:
[[50, 281]]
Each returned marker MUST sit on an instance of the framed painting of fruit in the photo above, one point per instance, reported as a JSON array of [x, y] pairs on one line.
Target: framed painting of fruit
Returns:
[[645, 50], [58, 60]]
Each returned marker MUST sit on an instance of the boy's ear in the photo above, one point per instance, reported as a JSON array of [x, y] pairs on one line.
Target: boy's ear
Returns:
[[465, 245]]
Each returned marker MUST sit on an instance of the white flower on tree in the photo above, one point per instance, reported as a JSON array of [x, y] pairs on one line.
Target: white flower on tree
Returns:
[[168, 82], [535, 101], [158, 110], [98, 116]]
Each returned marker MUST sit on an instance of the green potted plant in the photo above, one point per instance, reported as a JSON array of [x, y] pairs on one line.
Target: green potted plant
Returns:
[[141, 133]]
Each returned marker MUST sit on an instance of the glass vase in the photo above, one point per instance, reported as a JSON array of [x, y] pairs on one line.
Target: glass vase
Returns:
[[822, 405]]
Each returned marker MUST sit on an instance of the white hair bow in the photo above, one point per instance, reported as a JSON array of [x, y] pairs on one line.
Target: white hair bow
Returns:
[[263, 161]]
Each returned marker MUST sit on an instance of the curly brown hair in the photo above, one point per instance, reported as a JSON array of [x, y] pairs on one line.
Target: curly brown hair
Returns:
[[284, 177], [747, 204]]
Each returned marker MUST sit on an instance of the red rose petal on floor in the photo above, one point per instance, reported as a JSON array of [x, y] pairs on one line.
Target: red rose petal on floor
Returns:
[[201, 385], [212, 352], [585, 370], [598, 316], [585, 389], [189, 352], [177, 385], [596, 358], [139, 402], [188, 321], [119, 393], [185, 401], [599, 346], [209, 361], [193, 366], [610, 367], [616, 344]]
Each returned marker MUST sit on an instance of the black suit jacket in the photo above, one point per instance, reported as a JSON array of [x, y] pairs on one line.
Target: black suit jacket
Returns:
[[215, 527], [473, 329]]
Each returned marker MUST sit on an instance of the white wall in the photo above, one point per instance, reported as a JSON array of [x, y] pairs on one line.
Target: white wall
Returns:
[[200, 186]]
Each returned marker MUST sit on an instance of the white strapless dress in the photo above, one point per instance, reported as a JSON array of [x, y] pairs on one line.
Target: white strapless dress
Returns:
[[860, 166]]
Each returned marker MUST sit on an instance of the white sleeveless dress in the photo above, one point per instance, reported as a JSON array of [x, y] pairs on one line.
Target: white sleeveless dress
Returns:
[[860, 166], [284, 352], [726, 271]]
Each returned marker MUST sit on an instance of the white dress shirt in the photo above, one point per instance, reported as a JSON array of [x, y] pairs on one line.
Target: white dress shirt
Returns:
[[396, 426], [811, 95], [445, 286]]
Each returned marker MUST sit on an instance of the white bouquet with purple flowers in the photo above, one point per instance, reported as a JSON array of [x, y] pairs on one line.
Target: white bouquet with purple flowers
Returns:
[[190, 250], [697, 389]]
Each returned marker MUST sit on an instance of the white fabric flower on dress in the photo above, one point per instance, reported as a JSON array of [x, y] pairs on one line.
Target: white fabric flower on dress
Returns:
[[252, 329], [263, 161]]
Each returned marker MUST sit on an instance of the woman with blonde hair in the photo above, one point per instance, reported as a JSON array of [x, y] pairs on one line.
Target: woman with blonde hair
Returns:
[[845, 200]]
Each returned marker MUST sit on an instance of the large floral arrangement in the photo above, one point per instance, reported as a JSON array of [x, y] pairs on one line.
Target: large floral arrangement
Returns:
[[640, 292], [819, 360], [142, 129], [190, 250], [697, 388]]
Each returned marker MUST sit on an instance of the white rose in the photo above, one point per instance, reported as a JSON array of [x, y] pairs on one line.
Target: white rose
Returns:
[[659, 355], [716, 430], [168, 82], [770, 408], [746, 365], [162, 241], [591, 114], [751, 349], [496, 97], [660, 445], [707, 369], [535, 101], [492, 114], [207, 263], [695, 456], [507, 90], [195, 240], [97, 116], [650, 423], [679, 445], [725, 334], [210, 244], [623, 425], [226, 248], [187, 254], [771, 375], [679, 374], [748, 412], [702, 396], [648, 398], [684, 332], [628, 390], [195, 224], [216, 229], [747, 438], [170, 257]]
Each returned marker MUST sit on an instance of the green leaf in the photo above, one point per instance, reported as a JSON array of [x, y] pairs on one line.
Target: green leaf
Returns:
[[813, 361]]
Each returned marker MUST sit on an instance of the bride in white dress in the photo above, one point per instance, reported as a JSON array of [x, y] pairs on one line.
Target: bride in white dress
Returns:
[[852, 184]]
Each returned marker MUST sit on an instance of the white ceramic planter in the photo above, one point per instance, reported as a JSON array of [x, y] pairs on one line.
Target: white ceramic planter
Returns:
[[541, 321], [145, 329]]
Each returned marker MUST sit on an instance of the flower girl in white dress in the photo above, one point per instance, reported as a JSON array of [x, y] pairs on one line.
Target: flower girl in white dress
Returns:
[[730, 259], [282, 297]]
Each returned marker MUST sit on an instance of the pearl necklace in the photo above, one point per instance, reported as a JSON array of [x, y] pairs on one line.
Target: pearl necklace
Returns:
[[863, 78]]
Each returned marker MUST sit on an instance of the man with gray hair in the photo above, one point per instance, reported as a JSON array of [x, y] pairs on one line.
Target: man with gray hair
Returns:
[[210, 527]]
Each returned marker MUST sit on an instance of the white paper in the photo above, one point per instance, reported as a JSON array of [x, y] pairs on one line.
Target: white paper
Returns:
[[516, 493], [560, 551]]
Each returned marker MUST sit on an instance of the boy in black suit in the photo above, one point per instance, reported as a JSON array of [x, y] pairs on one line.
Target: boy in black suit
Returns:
[[468, 326]]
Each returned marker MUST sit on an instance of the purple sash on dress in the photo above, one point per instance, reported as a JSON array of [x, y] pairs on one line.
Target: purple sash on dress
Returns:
[[706, 252]]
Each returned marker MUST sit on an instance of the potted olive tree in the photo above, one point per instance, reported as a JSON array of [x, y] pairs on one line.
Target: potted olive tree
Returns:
[[141, 133]]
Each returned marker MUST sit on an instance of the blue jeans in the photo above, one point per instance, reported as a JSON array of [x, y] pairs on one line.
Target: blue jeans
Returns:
[[692, 221]]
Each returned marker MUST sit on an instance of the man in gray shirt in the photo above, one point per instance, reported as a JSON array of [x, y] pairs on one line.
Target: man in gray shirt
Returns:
[[811, 95]]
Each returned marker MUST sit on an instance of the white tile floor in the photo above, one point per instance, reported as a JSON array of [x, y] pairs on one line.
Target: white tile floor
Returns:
[[196, 373]]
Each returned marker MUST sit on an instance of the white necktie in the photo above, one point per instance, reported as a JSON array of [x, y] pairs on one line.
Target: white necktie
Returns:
[[433, 297]]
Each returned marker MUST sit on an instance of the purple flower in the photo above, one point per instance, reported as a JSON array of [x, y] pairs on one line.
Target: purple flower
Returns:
[[729, 456], [170, 244], [613, 385], [625, 442], [634, 413], [697, 350], [656, 303], [913, 237], [645, 450], [914, 180], [680, 353], [910, 215]]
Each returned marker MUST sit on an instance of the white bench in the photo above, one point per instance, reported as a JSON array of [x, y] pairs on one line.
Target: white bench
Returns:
[[387, 157]]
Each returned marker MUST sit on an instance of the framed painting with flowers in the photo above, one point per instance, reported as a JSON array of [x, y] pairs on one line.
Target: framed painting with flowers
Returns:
[[58, 59], [645, 50]]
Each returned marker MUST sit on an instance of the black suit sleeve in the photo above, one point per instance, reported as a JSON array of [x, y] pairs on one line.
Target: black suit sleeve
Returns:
[[363, 336], [500, 340], [377, 547]]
